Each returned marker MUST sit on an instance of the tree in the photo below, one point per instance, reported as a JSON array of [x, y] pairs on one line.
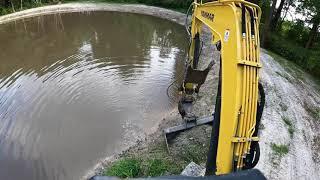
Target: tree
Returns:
[[288, 4], [313, 32], [277, 16], [267, 23], [311, 10]]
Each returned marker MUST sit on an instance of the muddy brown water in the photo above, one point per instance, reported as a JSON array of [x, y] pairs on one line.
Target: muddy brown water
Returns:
[[77, 87]]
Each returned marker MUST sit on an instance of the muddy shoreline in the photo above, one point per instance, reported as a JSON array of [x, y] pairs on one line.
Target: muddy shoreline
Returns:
[[291, 94]]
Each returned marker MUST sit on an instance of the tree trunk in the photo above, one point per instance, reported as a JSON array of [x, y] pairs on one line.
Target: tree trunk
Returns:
[[267, 23], [312, 34], [277, 16], [12, 6]]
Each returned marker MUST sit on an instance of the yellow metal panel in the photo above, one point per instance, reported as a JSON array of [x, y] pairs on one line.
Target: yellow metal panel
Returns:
[[239, 71], [228, 34]]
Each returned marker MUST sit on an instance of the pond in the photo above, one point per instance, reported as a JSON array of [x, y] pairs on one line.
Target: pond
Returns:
[[79, 87]]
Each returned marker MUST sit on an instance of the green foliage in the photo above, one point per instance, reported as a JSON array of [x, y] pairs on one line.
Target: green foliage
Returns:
[[291, 131], [286, 120], [286, 49], [307, 59], [173, 4], [125, 168], [4, 11], [295, 31], [156, 167], [289, 124], [15, 5], [280, 150], [181, 5], [313, 111], [194, 153], [290, 38], [283, 106], [265, 7], [141, 167]]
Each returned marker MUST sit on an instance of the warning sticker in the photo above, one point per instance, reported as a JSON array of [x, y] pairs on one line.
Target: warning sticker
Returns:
[[226, 35]]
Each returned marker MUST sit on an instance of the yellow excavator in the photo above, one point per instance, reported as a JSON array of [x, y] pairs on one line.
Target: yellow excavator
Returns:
[[234, 25]]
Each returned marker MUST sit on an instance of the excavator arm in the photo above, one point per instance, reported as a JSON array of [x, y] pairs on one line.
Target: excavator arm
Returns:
[[234, 25]]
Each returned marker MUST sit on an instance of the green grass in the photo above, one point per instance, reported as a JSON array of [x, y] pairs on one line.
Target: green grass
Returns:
[[136, 167], [294, 69], [284, 75], [289, 66], [283, 106], [105, 1], [125, 168], [156, 167], [291, 131], [280, 150], [156, 161], [195, 153], [313, 111], [289, 124], [293, 51]]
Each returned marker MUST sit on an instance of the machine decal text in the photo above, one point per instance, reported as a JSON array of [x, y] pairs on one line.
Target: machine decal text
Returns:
[[207, 15]]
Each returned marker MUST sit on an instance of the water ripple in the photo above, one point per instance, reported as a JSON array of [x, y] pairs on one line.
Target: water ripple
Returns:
[[70, 96]]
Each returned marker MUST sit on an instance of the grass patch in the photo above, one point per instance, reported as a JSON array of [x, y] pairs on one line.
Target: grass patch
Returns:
[[134, 167], [316, 151], [291, 131], [280, 150], [313, 111], [304, 58], [294, 69], [289, 124], [289, 66], [142, 165], [195, 153], [156, 161], [125, 168], [284, 75], [283, 106], [156, 167]]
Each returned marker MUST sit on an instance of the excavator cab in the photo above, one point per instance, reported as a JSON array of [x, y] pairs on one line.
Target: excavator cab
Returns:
[[234, 26]]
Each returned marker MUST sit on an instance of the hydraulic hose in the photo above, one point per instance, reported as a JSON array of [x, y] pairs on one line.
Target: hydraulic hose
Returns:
[[254, 156], [211, 166]]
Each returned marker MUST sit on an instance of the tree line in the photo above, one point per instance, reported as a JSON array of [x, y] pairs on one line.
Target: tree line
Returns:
[[289, 28]]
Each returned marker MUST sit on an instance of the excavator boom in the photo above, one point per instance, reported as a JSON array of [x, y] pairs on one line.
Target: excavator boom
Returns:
[[234, 25]]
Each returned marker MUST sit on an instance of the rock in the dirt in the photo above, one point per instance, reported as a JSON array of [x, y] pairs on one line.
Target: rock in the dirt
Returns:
[[194, 170]]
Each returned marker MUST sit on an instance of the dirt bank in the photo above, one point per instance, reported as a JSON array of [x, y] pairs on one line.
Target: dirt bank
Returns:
[[292, 96], [290, 121]]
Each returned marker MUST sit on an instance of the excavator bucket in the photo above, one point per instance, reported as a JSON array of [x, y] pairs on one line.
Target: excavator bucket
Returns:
[[171, 132]]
